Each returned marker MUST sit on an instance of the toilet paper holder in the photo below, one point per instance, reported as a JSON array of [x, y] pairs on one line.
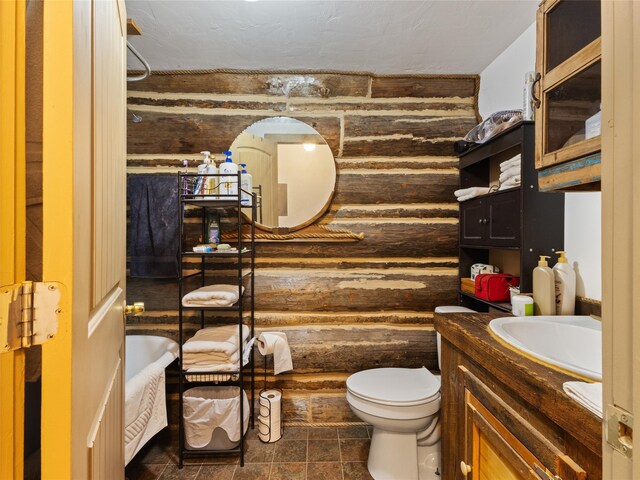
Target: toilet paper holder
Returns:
[[268, 407]]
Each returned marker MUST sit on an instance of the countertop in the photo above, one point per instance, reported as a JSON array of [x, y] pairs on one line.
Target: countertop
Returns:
[[539, 385]]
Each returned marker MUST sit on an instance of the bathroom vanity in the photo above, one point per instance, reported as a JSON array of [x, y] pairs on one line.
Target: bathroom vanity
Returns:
[[506, 416]]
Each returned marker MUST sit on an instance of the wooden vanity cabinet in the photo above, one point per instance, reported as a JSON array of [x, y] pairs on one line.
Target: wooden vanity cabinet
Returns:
[[568, 62], [492, 220], [504, 417]]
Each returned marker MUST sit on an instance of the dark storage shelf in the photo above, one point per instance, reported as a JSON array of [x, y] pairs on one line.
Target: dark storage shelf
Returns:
[[496, 226], [205, 263]]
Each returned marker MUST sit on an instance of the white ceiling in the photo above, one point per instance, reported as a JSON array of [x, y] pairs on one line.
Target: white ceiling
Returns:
[[385, 36]]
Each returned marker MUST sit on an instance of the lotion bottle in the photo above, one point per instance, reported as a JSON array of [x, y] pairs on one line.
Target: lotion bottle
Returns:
[[229, 183], [544, 294], [565, 283], [246, 184]]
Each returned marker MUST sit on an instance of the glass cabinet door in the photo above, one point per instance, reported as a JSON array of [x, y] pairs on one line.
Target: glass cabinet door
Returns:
[[569, 65]]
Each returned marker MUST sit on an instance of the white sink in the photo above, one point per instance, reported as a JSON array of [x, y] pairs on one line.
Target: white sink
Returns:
[[572, 343]]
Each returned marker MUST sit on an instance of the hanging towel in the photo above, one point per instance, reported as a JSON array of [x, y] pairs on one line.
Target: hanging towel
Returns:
[[145, 408], [152, 233], [276, 344], [213, 296], [589, 395]]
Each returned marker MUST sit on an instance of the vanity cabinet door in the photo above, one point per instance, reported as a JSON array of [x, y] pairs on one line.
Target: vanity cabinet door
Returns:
[[472, 222], [490, 454]]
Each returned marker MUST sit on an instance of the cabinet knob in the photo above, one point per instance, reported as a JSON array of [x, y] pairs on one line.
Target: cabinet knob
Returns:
[[465, 469], [479, 220], [484, 220]]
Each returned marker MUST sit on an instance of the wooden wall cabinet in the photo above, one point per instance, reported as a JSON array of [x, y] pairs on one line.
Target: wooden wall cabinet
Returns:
[[569, 68], [508, 228]]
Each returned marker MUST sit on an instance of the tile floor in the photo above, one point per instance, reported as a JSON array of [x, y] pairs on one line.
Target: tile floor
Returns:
[[302, 454]]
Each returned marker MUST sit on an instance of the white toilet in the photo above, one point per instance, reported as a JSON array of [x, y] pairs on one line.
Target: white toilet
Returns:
[[403, 405]]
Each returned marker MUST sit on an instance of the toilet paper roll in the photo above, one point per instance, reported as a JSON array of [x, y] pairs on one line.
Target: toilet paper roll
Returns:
[[276, 344], [522, 306], [269, 419]]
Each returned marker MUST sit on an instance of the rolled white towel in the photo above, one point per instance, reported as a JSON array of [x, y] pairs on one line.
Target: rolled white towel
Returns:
[[213, 296], [471, 192], [589, 395], [511, 172], [512, 162]]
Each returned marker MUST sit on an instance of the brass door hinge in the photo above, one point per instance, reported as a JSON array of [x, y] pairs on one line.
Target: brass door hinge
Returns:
[[619, 431], [28, 314]]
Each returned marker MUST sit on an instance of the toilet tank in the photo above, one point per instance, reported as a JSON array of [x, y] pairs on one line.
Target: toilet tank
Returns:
[[448, 309]]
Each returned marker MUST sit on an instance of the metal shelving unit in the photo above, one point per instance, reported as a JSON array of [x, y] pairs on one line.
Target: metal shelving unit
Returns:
[[245, 308]]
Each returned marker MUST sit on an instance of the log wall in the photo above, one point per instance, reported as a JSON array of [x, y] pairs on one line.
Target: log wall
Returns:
[[344, 306]]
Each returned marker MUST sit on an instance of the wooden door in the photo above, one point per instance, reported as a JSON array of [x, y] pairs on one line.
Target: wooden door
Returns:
[[620, 231], [473, 225], [504, 215], [84, 236], [12, 224]]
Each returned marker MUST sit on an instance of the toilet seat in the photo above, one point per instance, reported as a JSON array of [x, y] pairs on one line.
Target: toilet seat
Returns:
[[402, 387]]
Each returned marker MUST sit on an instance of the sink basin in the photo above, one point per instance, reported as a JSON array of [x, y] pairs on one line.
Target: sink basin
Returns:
[[571, 343]]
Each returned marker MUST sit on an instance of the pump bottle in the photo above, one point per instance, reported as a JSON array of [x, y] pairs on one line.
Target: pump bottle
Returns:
[[565, 283], [229, 182], [544, 298], [210, 182], [246, 184]]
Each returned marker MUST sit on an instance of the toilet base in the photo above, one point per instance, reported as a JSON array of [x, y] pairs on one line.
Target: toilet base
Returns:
[[393, 456]]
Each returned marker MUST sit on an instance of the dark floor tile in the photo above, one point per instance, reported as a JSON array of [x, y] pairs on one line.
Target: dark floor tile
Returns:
[[353, 432], [288, 471], [144, 471], [217, 472], [231, 459], [290, 451], [155, 453], [172, 472], [324, 471], [295, 433], [258, 452], [323, 451], [354, 449], [356, 471], [252, 471], [323, 433]]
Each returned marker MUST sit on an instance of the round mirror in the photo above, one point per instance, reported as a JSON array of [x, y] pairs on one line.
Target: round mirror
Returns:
[[292, 169]]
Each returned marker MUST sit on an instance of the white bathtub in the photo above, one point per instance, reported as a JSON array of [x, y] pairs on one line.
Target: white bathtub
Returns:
[[142, 350], [146, 358]]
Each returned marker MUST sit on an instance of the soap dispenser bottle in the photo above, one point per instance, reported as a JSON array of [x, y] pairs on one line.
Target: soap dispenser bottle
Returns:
[[246, 185], [229, 182], [565, 283], [544, 297], [210, 180]]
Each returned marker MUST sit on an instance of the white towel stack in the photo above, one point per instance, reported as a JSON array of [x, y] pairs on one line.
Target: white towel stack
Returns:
[[510, 173], [215, 349], [220, 295], [469, 193]]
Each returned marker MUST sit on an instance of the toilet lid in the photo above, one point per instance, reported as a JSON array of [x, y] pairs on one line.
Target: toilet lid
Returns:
[[395, 385]]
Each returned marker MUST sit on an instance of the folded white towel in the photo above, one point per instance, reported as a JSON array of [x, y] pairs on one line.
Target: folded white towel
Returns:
[[222, 339], [276, 343], [202, 362], [194, 359], [512, 162], [510, 183], [213, 296], [511, 172], [471, 192], [589, 395]]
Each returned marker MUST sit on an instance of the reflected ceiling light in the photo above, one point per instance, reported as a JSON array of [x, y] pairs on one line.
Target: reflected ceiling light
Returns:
[[309, 147]]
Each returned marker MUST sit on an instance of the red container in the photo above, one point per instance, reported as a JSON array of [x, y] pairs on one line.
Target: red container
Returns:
[[494, 287]]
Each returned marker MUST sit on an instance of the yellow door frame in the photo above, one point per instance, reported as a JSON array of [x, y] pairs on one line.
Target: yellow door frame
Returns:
[[12, 222], [58, 240]]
